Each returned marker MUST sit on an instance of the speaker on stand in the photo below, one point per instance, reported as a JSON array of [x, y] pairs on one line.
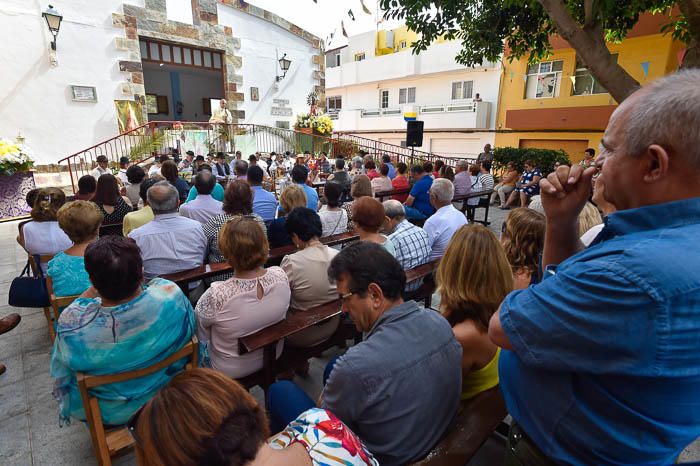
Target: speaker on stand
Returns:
[[414, 135]]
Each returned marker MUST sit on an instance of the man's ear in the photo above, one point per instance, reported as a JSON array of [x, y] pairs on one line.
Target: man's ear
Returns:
[[656, 163], [375, 292]]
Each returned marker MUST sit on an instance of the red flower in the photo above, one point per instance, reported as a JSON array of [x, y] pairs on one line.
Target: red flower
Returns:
[[335, 428]]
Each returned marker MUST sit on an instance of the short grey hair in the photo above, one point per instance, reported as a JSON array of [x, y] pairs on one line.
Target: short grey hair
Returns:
[[443, 190], [394, 209], [162, 197], [666, 114], [240, 167], [463, 164]]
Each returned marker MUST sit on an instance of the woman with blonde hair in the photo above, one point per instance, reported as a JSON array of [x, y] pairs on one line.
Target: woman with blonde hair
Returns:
[[206, 418], [81, 221], [522, 237], [254, 298], [588, 218], [43, 236], [292, 196], [473, 278], [361, 186]]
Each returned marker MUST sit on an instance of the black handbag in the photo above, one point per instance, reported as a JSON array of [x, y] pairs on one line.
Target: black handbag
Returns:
[[28, 291]]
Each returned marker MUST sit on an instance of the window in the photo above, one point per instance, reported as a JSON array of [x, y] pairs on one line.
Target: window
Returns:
[[384, 99], [543, 79], [334, 103], [407, 95], [584, 82], [403, 44], [359, 56], [333, 60], [462, 90], [282, 124]]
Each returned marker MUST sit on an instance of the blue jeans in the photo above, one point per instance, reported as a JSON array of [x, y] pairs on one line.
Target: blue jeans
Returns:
[[286, 401], [414, 214]]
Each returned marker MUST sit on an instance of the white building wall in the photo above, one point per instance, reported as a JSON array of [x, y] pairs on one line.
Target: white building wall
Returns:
[[452, 131], [35, 98], [262, 45]]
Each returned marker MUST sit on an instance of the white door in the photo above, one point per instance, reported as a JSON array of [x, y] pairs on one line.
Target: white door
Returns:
[[384, 98], [456, 147]]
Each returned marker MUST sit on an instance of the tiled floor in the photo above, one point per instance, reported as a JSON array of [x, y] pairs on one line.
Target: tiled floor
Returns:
[[29, 430]]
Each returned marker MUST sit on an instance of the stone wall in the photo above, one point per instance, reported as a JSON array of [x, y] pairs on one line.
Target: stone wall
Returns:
[[151, 21]]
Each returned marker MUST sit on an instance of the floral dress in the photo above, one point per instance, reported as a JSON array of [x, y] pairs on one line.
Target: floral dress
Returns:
[[328, 441], [527, 177]]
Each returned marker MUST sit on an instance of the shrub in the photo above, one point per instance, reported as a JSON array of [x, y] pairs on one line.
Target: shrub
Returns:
[[544, 159]]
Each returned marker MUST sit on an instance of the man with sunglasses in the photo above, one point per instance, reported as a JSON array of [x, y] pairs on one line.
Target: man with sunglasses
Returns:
[[602, 363], [399, 389]]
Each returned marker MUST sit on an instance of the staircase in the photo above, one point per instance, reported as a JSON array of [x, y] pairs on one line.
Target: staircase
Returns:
[[161, 137]]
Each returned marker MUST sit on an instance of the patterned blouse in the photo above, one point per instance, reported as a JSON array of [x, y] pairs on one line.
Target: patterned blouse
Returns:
[[328, 441], [117, 216], [212, 228], [230, 310]]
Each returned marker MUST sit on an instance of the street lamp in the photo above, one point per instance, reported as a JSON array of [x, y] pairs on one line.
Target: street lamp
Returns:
[[284, 65], [53, 21]]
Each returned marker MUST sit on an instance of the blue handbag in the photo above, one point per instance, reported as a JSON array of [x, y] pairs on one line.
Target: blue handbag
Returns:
[[28, 291]]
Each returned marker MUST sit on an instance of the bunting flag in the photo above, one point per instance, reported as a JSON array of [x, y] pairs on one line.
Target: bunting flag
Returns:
[[342, 25], [364, 8], [645, 68], [351, 14]]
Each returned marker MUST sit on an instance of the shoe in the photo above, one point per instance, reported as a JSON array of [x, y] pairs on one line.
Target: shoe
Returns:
[[2, 368], [7, 323]]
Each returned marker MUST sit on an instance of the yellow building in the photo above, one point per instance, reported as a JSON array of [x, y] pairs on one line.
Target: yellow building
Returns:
[[557, 104]]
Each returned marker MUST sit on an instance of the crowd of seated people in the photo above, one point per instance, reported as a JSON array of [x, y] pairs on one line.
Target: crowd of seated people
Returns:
[[590, 342]]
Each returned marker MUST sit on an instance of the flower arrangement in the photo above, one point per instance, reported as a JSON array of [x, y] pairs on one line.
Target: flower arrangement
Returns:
[[321, 123], [13, 158]]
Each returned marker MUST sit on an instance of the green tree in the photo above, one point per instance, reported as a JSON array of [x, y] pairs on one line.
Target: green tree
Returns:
[[488, 27]]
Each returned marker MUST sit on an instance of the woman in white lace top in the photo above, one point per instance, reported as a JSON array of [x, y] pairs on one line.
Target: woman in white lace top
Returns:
[[254, 298]]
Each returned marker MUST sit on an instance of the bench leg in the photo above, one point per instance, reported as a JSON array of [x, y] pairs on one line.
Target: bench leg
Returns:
[[269, 353], [486, 215]]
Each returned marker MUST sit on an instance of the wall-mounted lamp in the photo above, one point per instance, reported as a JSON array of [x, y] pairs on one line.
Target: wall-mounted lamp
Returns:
[[53, 21], [284, 65]]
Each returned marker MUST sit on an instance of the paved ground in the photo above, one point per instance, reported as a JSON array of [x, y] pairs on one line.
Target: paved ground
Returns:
[[29, 429]]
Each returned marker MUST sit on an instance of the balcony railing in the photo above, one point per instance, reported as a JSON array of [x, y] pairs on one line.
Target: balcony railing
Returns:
[[423, 109]]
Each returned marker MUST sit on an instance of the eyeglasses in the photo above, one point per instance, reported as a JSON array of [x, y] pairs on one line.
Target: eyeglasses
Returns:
[[131, 425], [345, 296]]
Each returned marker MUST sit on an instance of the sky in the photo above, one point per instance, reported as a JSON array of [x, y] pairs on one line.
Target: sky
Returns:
[[324, 17]]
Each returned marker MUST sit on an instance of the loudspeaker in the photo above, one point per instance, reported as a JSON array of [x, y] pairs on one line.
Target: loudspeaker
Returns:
[[414, 133]]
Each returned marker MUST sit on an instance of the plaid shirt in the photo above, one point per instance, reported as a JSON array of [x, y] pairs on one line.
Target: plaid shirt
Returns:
[[412, 247]]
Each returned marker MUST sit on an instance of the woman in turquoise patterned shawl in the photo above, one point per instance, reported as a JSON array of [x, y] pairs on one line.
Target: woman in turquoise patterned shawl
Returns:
[[117, 325]]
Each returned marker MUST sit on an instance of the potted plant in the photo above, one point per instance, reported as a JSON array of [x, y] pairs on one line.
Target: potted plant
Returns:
[[16, 178]]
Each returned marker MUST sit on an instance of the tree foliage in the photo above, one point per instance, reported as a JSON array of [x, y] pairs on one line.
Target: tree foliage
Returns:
[[487, 28]]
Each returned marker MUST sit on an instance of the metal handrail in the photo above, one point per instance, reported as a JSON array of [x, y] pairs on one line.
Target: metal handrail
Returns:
[[225, 138]]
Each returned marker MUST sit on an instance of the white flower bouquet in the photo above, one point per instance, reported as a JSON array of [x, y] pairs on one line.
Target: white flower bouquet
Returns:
[[14, 158]]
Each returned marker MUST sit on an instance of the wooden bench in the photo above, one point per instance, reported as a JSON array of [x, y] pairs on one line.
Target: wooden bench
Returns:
[[426, 290], [184, 278], [470, 210], [57, 304], [381, 195], [109, 443], [295, 322], [114, 229], [477, 419]]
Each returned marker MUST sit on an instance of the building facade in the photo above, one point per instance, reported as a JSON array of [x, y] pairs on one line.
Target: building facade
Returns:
[[557, 104], [374, 80], [161, 59]]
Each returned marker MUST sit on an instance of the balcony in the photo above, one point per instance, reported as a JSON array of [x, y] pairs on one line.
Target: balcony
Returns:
[[467, 115], [439, 58]]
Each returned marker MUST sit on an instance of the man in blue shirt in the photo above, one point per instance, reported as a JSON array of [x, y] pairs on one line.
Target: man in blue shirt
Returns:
[[264, 202], [417, 204], [299, 175], [387, 161], [602, 366]]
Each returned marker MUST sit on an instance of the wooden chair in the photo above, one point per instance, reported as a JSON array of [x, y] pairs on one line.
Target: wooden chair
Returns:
[[477, 420], [57, 303], [109, 443], [471, 210]]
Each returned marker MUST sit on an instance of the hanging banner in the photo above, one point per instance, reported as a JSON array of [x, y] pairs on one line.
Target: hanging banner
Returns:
[[645, 68], [129, 115]]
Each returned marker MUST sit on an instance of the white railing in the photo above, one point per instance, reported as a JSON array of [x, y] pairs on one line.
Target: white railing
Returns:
[[423, 109]]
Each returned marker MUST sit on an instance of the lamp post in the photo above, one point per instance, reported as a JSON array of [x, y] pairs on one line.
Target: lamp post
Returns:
[[284, 65], [53, 21]]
